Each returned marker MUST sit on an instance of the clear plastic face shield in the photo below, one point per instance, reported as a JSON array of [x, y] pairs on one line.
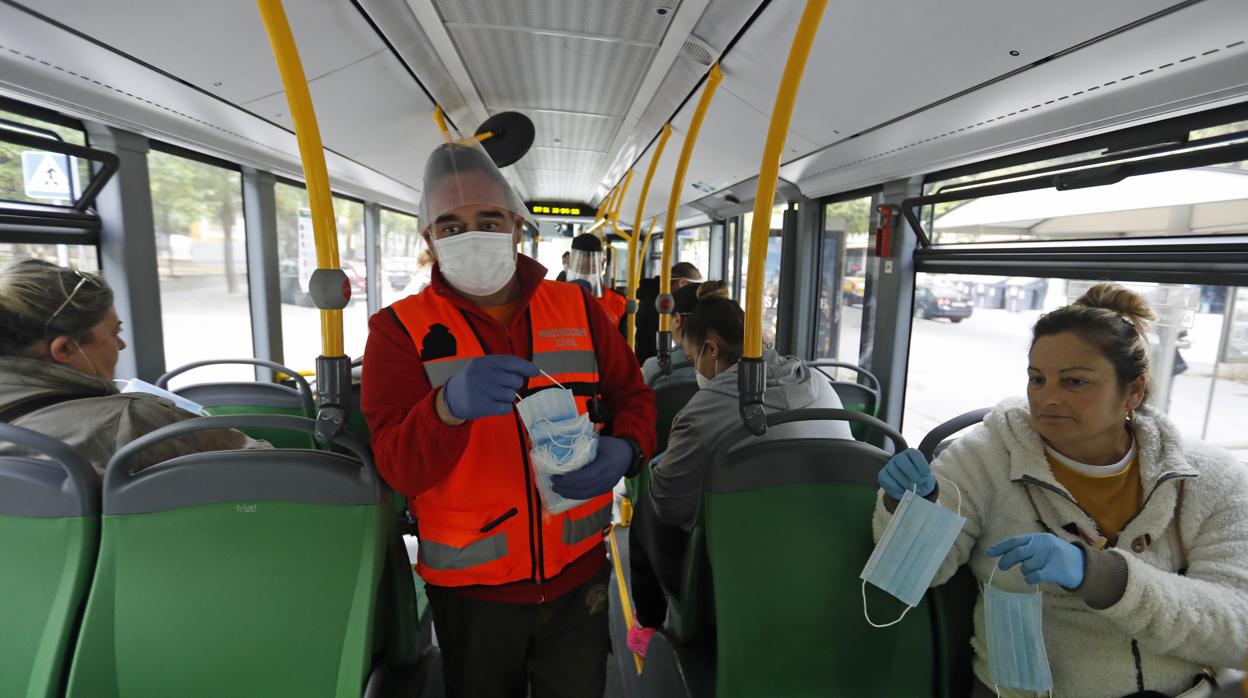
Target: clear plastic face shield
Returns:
[[472, 218], [588, 265]]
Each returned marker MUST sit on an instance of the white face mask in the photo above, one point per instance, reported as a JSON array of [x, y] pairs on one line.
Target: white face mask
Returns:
[[477, 263]]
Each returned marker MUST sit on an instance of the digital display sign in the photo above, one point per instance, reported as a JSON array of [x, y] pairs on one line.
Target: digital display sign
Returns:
[[561, 209]]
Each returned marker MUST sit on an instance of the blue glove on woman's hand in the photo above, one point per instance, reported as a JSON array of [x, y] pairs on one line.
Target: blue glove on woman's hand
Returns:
[[1045, 558], [600, 476], [907, 470], [487, 385]]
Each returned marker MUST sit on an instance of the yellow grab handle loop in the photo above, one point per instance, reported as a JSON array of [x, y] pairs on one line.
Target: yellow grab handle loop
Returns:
[[313, 155], [713, 78], [769, 170]]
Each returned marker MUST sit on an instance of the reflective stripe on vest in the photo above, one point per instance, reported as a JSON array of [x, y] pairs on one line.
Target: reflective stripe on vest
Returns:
[[469, 534]]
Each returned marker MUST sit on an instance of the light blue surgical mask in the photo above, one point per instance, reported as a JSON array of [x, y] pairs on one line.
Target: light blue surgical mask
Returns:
[[1016, 653], [911, 550], [551, 404]]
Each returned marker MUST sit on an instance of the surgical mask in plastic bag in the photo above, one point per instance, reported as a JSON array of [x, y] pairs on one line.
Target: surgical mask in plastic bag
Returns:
[[552, 405], [134, 385], [560, 448]]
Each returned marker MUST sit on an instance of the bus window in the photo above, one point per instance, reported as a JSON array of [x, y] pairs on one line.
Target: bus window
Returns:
[[404, 268], [201, 262], [970, 336], [771, 270], [842, 279], [83, 257]]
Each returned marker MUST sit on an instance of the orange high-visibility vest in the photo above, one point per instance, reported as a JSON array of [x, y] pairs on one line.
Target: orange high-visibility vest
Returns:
[[485, 523], [615, 305]]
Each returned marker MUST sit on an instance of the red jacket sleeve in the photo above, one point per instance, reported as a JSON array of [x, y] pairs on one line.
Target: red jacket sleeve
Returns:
[[628, 399], [413, 449]]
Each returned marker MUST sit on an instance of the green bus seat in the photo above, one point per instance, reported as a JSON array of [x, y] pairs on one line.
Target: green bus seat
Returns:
[[235, 573], [669, 399], [231, 398], [788, 526], [49, 536], [859, 397]]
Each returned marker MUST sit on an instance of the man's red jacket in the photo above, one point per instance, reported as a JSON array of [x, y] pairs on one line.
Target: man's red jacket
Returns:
[[414, 449]]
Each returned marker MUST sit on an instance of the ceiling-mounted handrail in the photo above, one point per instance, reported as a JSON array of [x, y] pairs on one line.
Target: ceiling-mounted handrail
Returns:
[[634, 259], [752, 373], [615, 224], [665, 303], [439, 118]]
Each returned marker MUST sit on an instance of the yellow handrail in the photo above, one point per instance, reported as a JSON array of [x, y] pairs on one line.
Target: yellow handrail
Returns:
[[646, 246], [634, 261], [440, 119], [313, 155], [769, 170], [619, 201], [713, 78]]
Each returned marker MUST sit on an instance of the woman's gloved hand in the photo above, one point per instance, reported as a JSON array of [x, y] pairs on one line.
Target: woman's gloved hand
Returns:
[[1045, 558], [905, 471], [599, 476], [486, 386]]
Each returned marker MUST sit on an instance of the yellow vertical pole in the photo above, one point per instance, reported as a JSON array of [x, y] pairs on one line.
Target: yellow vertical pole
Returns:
[[752, 380], [713, 78], [313, 155], [634, 260], [615, 226], [440, 119]]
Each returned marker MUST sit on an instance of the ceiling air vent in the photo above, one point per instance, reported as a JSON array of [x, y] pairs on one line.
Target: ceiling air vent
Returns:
[[697, 51]]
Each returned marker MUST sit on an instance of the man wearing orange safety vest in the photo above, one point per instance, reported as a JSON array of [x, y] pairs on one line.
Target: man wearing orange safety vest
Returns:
[[586, 267], [519, 594]]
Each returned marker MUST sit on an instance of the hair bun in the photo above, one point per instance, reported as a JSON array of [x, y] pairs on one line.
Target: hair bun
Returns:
[[707, 289], [1132, 306]]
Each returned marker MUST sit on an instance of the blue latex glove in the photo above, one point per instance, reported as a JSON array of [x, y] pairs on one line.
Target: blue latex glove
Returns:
[[487, 385], [905, 471], [614, 457], [1045, 558]]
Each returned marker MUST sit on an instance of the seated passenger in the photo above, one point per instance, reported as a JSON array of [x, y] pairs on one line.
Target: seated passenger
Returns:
[[1136, 537], [685, 298], [58, 353], [683, 274], [713, 335]]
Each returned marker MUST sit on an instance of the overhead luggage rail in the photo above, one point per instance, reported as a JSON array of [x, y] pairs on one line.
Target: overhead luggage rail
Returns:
[[244, 572], [49, 536]]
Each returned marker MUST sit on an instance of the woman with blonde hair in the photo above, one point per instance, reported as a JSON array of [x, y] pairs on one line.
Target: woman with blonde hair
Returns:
[[1136, 538], [58, 354]]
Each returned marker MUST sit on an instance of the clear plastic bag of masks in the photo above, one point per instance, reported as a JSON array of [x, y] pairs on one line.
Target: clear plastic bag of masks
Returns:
[[561, 442], [134, 385]]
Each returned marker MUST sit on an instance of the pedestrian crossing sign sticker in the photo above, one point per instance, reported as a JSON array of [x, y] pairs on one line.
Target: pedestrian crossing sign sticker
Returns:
[[45, 175]]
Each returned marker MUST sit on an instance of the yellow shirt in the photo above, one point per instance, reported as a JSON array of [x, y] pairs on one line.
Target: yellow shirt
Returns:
[[1112, 500]]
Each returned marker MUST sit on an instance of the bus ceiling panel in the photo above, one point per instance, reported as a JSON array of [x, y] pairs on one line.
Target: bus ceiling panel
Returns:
[[370, 112], [48, 66], [1190, 60], [219, 46], [728, 151], [554, 185], [874, 60], [571, 130], [629, 20]]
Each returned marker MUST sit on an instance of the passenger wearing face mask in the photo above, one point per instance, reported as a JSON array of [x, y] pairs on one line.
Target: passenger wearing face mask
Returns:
[[713, 336], [1086, 496], [519, 594], [685, 299], [58, 354], [588, 263]]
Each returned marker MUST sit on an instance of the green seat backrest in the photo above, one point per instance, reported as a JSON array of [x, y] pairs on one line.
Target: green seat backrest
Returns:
[[254, 398], [235, 573], [49, 535], [859, 398], [953, 610], [669, 399], [788, 526]]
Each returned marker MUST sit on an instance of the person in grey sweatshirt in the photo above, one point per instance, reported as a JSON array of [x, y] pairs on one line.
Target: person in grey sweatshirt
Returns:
[[713, 338]]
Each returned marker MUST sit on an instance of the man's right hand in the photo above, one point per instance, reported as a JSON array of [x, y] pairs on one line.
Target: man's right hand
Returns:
[[486, 386]]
